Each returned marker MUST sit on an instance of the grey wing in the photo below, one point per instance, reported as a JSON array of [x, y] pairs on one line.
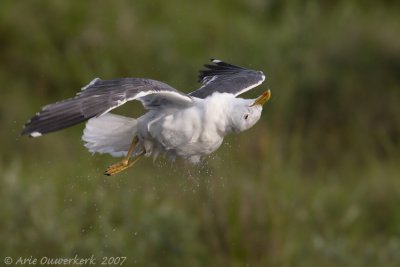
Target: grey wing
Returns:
[[226, 78], [99, 97]]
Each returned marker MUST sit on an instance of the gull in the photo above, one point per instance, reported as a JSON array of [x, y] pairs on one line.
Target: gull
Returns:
[[175, 125]]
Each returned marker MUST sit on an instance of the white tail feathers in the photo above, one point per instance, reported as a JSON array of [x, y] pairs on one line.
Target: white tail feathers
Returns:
[[109, 133]]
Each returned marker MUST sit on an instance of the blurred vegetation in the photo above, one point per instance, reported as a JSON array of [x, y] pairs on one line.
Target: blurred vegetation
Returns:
[[315, 183]]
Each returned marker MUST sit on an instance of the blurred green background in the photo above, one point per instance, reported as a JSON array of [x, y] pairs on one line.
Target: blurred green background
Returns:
[[315, 183]]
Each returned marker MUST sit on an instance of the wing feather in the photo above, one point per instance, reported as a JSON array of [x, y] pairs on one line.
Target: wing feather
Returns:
[[99, 97], [226, 78]]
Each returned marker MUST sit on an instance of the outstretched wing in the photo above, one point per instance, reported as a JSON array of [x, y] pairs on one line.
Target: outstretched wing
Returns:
[[226, 78], [99, 97]]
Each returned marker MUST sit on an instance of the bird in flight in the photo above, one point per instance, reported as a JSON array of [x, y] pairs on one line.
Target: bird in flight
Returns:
[[175, 124]]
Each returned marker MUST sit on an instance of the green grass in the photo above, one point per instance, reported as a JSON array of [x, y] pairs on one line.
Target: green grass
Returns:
[[314, 183]]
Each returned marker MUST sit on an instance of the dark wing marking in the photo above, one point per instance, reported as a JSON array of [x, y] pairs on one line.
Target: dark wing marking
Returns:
[[226, 78], [99, 97]]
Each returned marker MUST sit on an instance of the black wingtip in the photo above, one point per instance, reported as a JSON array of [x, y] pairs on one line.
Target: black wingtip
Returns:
[[221, 63], [219, 67], [218, 62], [30, 134]]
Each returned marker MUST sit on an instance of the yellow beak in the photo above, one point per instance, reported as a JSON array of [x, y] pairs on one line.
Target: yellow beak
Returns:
[[262, 99]]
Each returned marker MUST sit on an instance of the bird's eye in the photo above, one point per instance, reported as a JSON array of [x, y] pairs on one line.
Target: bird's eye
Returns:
[[246, 116]]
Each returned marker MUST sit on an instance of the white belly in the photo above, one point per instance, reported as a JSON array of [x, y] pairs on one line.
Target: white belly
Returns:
[[182, 133]]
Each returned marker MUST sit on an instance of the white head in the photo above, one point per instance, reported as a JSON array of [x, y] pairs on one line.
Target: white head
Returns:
[[247, 112]]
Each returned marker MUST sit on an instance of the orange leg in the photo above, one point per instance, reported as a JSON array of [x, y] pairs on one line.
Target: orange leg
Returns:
[[126, 162]]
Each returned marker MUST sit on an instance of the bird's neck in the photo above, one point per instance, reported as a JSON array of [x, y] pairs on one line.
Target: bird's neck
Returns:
[[218, 113]]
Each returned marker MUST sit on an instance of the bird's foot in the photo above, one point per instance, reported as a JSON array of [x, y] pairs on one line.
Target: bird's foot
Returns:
[[122, 165], [118, 167]]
